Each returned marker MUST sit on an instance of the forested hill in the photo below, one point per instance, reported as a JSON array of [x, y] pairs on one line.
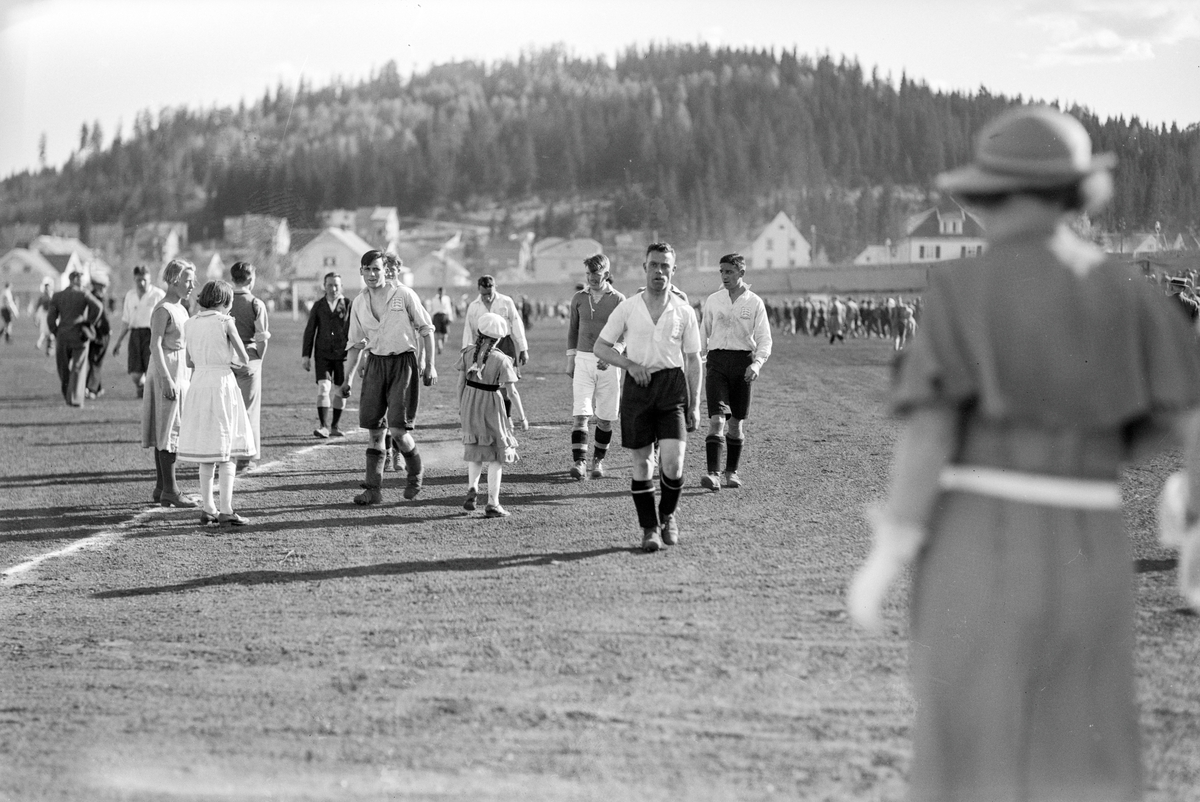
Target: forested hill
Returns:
[[687, 140]]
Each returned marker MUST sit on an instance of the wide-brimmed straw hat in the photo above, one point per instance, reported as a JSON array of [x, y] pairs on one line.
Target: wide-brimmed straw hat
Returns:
[[1028, 148], [492, 325]]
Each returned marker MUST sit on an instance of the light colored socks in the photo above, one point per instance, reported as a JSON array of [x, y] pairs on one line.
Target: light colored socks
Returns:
[[226, 484], [494, 471], [207, 469]]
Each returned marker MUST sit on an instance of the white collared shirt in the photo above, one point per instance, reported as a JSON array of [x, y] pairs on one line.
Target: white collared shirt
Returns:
[[403, 323], [135, 313], [503, 306], [650, 344], [739, 325]]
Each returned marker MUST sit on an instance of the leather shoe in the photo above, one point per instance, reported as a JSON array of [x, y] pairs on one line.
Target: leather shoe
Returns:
[[651, 541], [670, 529], [368, 497], [231, 519], [177, 500]]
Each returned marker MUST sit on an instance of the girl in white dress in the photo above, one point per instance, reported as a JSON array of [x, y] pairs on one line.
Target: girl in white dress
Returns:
[[215, 429]]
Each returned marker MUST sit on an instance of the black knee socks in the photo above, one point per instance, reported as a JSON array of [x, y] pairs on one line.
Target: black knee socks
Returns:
[[337, 415], [734, 453], [670, 490], [642, 491], [579, 443], [603, 438], [712, 451]]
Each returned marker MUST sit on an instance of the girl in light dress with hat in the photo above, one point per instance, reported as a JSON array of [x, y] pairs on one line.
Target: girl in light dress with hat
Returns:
[[215, 429], [488, 378], [1040, 368]]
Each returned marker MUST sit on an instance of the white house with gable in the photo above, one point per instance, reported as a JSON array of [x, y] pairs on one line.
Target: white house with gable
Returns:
[[947, 231], [778, 245]]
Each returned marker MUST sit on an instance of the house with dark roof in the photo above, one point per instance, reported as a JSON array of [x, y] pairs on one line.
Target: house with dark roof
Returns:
[[947, 231]]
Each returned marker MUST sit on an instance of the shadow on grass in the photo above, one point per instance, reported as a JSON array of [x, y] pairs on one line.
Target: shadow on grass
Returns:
[[456, 565], [42, 479]]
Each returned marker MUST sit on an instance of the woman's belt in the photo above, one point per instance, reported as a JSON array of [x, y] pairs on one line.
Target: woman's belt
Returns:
[[487, 388], [1033, 488]]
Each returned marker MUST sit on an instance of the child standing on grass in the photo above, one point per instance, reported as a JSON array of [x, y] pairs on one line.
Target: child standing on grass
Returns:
[[487, 381], [216, 429]]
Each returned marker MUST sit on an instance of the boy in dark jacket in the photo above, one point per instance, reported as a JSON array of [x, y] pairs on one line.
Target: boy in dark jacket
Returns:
[[325, 341]]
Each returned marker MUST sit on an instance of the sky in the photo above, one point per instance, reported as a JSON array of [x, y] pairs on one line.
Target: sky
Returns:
[[67, 62]]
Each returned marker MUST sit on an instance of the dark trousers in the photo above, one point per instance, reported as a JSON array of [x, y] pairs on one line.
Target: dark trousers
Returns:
[[71, 359], [96, 354]]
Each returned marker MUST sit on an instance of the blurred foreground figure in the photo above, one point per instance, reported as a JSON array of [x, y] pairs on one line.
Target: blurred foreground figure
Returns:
[[1039, 369]]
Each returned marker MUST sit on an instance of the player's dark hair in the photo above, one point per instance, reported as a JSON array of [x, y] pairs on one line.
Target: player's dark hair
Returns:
[[661, 247], [599, 264], [215, 294], [735, 259], [370, 256], [241, 273], [329, 276]]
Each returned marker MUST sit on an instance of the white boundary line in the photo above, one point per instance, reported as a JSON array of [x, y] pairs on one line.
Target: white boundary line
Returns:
[[10, 577], [98, 540]]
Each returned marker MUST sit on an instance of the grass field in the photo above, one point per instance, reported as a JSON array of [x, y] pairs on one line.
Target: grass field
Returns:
[[413, 651]]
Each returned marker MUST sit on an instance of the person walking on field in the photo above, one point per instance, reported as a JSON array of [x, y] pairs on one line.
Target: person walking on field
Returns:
[[662, 402], [514, 343], [70, 317], [1005, 489], [488, 437], [325, 342], [41, 310], [135, 321], [735, 339], [391, 324], [250, 317], [8, 312], [215, 429], [443, 316], [167, 381], [595, 384], [98, 346]]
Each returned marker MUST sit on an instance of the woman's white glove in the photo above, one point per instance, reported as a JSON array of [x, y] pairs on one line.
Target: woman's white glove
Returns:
[[894, 546], [1174, 532]]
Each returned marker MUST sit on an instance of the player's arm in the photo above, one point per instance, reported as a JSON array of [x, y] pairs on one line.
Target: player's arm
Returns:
[[572, 338], [763, 342], [518, 334], [261, 330]]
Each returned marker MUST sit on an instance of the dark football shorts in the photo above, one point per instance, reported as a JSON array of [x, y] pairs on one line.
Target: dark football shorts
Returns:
[[330, 369], [391, 392], [656, 411], [725, 387]]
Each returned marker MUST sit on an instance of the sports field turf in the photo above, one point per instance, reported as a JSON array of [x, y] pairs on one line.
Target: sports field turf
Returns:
[[412, 651]]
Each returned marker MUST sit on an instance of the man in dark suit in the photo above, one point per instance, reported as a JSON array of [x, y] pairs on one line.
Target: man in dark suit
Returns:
[[71, 317], [325, 339]]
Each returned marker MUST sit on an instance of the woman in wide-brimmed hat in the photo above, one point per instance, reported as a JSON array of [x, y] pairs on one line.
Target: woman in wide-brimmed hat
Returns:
[[1040, 368]]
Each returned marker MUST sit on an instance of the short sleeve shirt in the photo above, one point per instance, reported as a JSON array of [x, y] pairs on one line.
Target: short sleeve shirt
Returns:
[[656, 345]]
